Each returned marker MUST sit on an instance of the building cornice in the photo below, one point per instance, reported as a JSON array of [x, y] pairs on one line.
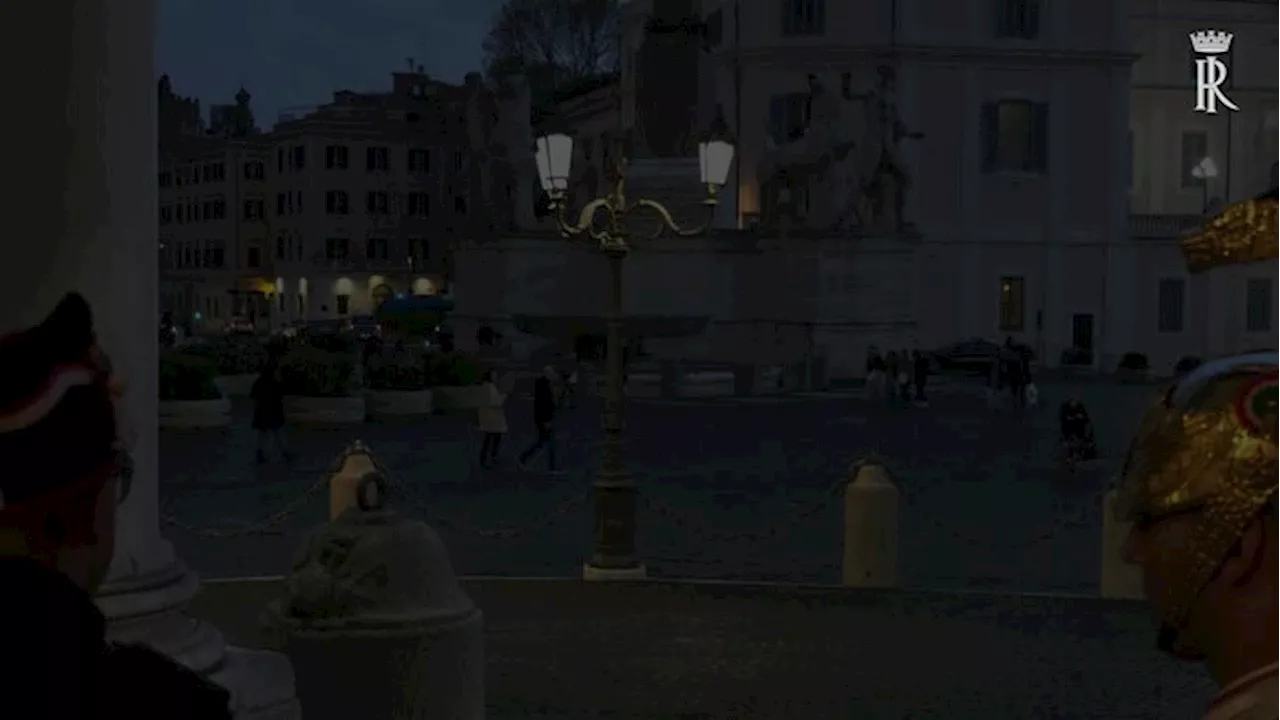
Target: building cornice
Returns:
[[793, 54]]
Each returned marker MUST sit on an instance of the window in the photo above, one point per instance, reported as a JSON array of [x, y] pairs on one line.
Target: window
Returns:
[[418, 204], [460, 205], [1012, 304], [459, 161], [1133, 159], [254, 170], [419, 160], [297, 201], [376, 203], [180, 213], [299, 157], [1015, 136], [1172, 303], [280, 240], [344, 304], [166, 179], [281, 201], [1258, 303], [803, 17], [337, 248], [255, 209], [788, 117], [335, 202], [336, 157], [219, 208], [280, 301], [280, 161], [1195, 148], [417, 250], [166, 214], [375, 249], [376, 159], [218, 256], [1018, 19], [254, 257]]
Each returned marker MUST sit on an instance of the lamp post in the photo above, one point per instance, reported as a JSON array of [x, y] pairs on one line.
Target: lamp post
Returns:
[[602, 223]]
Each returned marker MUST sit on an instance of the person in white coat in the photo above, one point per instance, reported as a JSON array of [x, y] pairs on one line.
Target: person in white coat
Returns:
[[491, 416]]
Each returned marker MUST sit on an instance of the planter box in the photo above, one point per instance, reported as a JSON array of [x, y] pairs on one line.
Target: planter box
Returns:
[[458, 398], [235, 385], [398, 403], [195, 413], [324, 410]]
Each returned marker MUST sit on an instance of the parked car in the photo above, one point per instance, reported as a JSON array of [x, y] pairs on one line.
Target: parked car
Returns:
[[975, 355]]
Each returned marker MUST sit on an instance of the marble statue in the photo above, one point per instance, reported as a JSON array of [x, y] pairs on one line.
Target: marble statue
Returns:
[[885, 190], [820, 158], [848, 161]]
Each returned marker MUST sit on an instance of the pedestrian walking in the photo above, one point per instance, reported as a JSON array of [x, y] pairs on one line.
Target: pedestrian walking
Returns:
[[545, 404], [1012, 361], [892, 368], [268, 408], [876, 377], [921, 362], [492, 419], [905, 370]]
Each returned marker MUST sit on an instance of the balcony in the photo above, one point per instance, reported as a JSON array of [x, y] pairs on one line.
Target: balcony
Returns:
[[1162, 227]]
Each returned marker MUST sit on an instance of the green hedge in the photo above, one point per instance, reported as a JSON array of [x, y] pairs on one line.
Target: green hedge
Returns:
[[186, 376], [452, 369], [232, 354], [403, 370], [312, 372]]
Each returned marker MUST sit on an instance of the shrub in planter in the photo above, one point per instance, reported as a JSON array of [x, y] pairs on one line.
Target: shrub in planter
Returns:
[[1186, 365], [312, 372], [188, 376], [1134, 361], [453, 370], [403, 371], [1076, 357]]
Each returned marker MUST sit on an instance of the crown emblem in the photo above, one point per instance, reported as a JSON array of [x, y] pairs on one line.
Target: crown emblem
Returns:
[[1211, 42]]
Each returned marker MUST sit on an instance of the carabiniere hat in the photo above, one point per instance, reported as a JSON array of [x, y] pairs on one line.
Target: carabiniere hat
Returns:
[[58, 432], [1207, 444]]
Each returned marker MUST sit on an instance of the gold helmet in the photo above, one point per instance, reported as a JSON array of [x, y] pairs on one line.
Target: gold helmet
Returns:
[[1208, 443]]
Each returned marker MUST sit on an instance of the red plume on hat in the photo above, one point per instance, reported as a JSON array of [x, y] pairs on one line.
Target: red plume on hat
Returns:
[[57, 419]]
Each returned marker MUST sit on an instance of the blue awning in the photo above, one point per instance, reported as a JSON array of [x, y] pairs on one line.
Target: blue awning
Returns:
[[415, 304]]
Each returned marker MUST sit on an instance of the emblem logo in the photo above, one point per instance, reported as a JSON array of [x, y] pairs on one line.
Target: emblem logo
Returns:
[[1256, 407]]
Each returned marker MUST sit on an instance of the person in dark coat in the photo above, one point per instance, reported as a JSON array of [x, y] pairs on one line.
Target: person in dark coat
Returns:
[[545, 405], [268, 409], [921, 373], [69, 468]]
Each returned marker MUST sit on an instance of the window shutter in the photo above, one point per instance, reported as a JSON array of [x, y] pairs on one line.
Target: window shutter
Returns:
[[1038, 158], [777, 117], [989, 136]]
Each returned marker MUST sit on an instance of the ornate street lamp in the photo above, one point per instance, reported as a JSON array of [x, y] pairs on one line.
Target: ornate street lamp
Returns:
[[602, 222]]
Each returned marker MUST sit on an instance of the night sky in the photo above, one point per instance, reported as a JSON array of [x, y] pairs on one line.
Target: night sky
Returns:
[[291, 53]]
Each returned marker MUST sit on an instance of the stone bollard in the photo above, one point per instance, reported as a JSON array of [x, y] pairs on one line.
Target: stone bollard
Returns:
[[354, 467], [1118, 579], [870, 528], [373, 618]]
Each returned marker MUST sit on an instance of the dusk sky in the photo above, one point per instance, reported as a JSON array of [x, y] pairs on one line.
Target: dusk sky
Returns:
[[290, 53]]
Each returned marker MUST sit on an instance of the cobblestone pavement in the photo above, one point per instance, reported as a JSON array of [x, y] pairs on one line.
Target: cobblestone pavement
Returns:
[[574, 650], [732, 490]]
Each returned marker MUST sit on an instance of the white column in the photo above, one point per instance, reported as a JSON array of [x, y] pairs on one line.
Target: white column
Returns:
[[81, 164]]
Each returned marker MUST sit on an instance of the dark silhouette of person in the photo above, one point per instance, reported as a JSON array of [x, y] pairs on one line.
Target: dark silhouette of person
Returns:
[[69, 469]]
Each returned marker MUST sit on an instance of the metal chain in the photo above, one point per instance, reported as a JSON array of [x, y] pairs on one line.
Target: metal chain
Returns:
[[502, 531], [270, 525], [788, 523]]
